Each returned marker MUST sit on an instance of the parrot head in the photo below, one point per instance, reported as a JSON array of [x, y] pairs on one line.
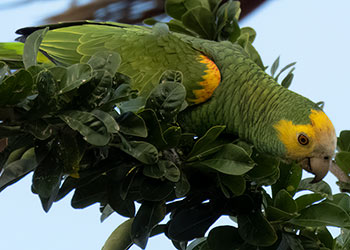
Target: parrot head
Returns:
[[312, 144]]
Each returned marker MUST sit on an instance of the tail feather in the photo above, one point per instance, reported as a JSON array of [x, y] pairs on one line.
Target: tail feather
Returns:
[[11, 53]]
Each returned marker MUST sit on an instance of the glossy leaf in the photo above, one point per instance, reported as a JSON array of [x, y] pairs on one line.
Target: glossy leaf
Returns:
[[235, 183], [224, 237], [231, 159], [120, 238], [75, 76], [285, 202], [308, 199], [319, 187], [31, 47], [142, 151], [290, 176], [105, 60], [132, 124], [343, 161], [200, 20], [343, 141]]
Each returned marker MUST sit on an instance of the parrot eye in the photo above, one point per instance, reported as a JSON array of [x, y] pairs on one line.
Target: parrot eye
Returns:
[[303, 139]]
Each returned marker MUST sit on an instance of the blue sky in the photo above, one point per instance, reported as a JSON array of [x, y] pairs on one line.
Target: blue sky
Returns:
[[312, 33]]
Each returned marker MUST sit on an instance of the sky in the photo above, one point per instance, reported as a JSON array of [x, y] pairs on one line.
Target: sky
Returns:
[[313, 33]]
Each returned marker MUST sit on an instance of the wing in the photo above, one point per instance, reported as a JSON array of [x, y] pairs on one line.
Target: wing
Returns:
[[146, 53]]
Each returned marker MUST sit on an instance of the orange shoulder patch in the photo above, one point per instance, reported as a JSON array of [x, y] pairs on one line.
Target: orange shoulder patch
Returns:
[[211, 80]]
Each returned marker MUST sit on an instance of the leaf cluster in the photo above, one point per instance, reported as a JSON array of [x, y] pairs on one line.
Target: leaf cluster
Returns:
[[82, 129]]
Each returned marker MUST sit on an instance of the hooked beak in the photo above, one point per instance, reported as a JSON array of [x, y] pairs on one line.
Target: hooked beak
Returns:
[[317, 166]]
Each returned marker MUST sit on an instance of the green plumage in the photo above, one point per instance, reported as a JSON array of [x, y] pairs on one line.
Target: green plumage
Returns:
[[247, 101]]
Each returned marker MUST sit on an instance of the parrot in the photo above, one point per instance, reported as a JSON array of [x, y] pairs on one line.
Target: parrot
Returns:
[[223, 85]]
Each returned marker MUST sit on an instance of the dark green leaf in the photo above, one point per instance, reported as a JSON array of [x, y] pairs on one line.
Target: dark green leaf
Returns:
[[17, 169], [155, 190], [286, 82], [167, 99], [156, 171], [132, 124], [107, 120], [182, 187], [276, 214], [236, 184], [255, 229], [120, 238], [172, 136], [88, 125], [124, 207], [290, 176], [284, 69], [148, 216], [251, 33], [224, 237], [142, 151], [231, 159], [31, 47], [177, 26], [325, 237], [342, 200], [175, 8], [343, 141], [322, 214], [308, 199], [201, 20], [172, 172], [197, 244], [76, 75], [285, 202], [105, 60], [203, 143], [319, 187], [266, 172], [16, 87], [132, 105], [39, 128], [343, 161]]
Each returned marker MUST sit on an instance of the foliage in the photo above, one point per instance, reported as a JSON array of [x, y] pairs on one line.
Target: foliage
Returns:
[[63, 124]]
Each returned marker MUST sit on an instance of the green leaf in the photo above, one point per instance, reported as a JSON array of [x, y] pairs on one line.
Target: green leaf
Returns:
[[142, 151], [201, 20], [148, 216], [286, 82], [88, 125], [343, 141], [308, 199], [197, 244], [166, 99], [172, 136], [319, 187], [342, 200], [343, 161], [251, 33], [31, 47], [285, 202], [204, 143], [155, 190], [325, 237], [4, 70], [231, 159], [274, 66], [156, 171], [16, 87], [284, 69], [342, 242], [266, 172], [105, 60], [107, 120], [255, 229], [290, 176], [132, 124], [172, 172], [76, 75], [182, 187], [17, 169], [224, 237], [39, 128], [235, 183], [274, 214], [322, 214], [120, 238], [175, 8]]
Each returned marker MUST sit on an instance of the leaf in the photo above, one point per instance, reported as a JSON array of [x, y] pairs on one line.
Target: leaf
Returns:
[[106, 212], [124, 207], [120, 238], [166, 99], [172, 172], [197, 244], [319, 187], [172, 136], [148, 216], [175, 8], [31, 47], [342, 200], [235, 183], [155, 190], [286, 82], [274, 214], [142, 151], [154, 171], [343, 141], [284, 69], [182, 187], [285, 202], [251, 33], [15, 88], [132, 124], [107, 120], [322, 214], [274, 66], [231, 159], [105, 60], [4, 70], [308, 199], [76, 75], [343, 161], [224, 237], [17, 169], [88, 125], [290, 176], [207, 139], [255, 229], [201, 20]]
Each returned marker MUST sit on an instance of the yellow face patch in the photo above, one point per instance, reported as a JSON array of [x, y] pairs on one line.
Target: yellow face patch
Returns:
[[210, 81], [301, 140]]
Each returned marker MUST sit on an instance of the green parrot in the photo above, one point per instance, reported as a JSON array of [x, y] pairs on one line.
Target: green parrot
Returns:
[[224, 86]]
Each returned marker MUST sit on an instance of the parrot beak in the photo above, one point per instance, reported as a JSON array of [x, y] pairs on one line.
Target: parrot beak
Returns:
[[318, 166]]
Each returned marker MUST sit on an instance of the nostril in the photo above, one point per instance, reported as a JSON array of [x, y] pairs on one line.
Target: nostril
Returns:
[[326, 158]]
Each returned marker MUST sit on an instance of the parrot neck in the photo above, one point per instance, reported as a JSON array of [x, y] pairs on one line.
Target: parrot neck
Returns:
[[248, 102]]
